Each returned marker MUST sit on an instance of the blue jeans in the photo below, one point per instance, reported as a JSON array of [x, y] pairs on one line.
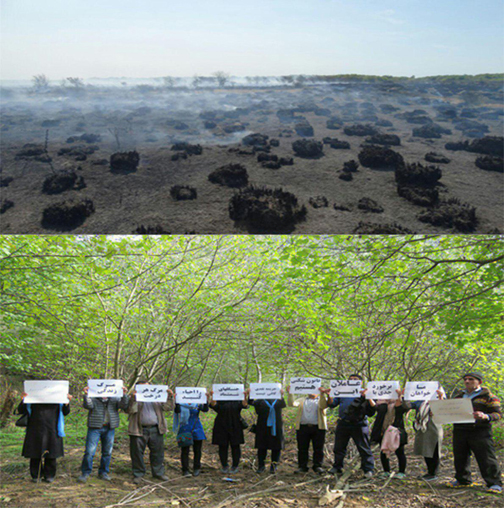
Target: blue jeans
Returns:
[[106, 436]]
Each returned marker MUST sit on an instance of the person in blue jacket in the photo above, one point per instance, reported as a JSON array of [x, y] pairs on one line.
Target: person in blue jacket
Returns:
[[352, 424], [186, 419]]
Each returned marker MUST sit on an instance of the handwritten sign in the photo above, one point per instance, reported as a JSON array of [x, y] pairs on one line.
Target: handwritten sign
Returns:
[[452, 411], [382, 390], [228, 392], [46, 392], [421, 390], [346, 388], [151, 393], [265, 391], [105, 388], [305, 385], [190, 395]]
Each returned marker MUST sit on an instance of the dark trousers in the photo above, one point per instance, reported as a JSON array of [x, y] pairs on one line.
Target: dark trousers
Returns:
[[47, 469], [479, 441], [184, 455], [154, 440], [433, 462], [310, 434], [262, 454], [401, 457], [235, 454], [360, 436]]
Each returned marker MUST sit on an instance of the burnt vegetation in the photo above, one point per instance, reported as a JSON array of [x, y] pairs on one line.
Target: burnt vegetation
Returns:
[[124, 162], [67, 215], [230, 175], [263, 210], [62, 181]]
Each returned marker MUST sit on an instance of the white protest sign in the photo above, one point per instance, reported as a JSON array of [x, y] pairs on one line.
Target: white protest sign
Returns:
[[382, 390], [421, 390], [305, 385], [46, 392], [346, 388], [265, 391], [452, 411], [151, 393], [190, 395], [228, 392], [105, 388]]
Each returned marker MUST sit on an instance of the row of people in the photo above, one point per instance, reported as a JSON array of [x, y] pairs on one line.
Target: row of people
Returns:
[[147, 426]]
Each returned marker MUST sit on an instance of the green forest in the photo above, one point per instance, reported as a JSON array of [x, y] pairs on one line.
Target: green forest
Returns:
[[198, 310]]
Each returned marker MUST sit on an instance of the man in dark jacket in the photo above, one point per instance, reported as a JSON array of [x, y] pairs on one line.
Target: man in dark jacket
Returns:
[[477, 437], [103, 419], [352, 423]]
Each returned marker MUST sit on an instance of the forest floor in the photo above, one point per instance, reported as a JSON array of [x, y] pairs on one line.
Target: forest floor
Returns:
[[247, 489]]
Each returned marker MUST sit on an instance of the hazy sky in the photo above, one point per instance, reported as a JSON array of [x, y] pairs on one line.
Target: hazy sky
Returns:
[[151, 38]]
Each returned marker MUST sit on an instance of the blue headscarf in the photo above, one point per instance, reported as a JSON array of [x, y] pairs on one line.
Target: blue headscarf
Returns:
[[271, 417], [182, 418], [61, 419]]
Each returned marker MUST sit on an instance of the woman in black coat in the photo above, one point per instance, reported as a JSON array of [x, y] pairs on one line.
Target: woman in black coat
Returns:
[[228, 430], [267, 439], [390, 412], [44, 437]]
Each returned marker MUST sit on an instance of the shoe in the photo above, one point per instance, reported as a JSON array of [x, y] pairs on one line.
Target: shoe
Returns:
[[186, 474], [455, 484], [384, 474], [83, 478], [318, 470], [429, 477], [196, 472], [261, 469], [137, 480], [400, 476], [104, 476], [334, 470], [49, 480], [162, 477], [300, 470], [273, 468], [224, 469], [495, 489], [234, 469], [368, 474]]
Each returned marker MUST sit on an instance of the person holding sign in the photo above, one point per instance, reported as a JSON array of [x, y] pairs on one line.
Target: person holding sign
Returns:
[[311, 427], [45, 430], [428, 435], [477, 437], [228, 429], [352, 424], [269, 434], [389, 430], [187, 426], [103, 419], [147, 427]]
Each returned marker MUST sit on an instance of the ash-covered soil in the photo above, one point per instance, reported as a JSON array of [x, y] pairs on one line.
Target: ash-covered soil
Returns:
[[107, 161]]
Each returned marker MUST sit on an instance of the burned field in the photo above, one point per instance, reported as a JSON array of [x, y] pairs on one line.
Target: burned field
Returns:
[[345, 158]]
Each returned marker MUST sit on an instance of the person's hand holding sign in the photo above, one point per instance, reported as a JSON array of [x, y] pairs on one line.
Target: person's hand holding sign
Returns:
[[479, 415]]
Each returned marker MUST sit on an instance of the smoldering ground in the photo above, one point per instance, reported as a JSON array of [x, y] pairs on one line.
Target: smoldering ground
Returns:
[[337, 157]]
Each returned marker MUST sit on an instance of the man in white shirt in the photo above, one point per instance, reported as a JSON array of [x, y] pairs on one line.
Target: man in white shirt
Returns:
[[311, 427]]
